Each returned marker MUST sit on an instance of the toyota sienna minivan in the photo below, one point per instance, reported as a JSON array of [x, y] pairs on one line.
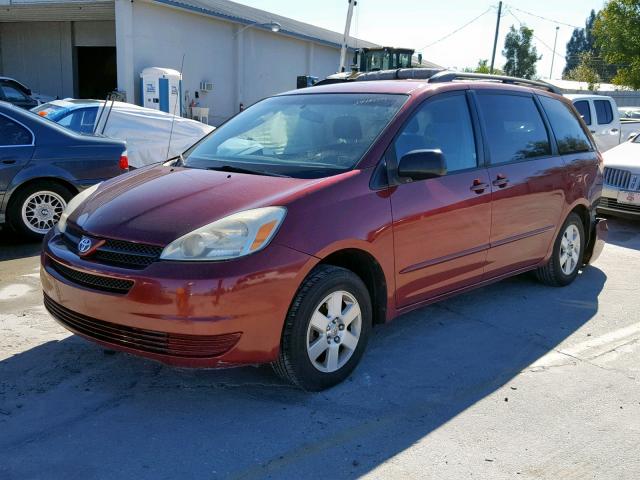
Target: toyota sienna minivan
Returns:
[[285, 235]]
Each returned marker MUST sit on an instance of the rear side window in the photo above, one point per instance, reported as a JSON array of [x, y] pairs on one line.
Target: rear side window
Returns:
[[13, 134], [441, 124], [12, 94], [583, 109], [569, 133], [604, 113], [515, 131]]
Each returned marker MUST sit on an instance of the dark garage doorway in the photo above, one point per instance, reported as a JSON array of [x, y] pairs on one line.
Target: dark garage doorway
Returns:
[[96, 71]]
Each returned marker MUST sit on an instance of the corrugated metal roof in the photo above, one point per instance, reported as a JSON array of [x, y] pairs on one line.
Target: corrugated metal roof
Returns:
[[67, 11], [235, 12]]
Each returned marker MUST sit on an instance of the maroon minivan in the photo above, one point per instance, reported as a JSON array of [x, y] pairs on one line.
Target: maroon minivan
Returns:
[[290, 231]]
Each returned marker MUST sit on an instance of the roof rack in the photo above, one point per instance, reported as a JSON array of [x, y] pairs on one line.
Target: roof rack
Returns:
[[449, 76], [420, 73]]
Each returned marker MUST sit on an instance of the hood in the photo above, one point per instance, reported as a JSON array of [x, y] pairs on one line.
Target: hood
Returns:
[[158, 204], [625, 156]]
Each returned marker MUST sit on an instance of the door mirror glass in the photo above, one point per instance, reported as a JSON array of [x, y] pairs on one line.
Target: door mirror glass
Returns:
[[422, 164]]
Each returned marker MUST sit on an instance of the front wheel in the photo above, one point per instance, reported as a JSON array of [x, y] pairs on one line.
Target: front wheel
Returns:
[[326, 330], [568, 251], [37, 208]]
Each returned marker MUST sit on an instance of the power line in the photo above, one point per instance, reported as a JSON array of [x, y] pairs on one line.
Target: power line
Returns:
[[543, 18], [535, 36], [458, 29]]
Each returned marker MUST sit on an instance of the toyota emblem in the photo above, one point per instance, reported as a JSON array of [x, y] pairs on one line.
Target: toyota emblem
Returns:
[[84, 245]]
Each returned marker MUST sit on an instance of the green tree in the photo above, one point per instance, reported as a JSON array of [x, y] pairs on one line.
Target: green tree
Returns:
[[521, 55], [617, 35], [483, 67], [586, 71]]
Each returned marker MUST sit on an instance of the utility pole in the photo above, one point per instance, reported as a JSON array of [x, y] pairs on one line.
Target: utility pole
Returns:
[[495, 40], [345, 39], [553, 57]]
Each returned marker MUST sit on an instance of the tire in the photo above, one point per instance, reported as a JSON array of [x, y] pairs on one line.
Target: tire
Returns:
[[562, 269], [301, 339], [53, 196]]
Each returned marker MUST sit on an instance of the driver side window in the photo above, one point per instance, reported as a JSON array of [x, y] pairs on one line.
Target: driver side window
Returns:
[[441, 124]]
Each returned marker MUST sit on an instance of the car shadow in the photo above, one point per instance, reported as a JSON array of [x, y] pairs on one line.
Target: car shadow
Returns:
[[73, 411], [13, 247], [624, 232]]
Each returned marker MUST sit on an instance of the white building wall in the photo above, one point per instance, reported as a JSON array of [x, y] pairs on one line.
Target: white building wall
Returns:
[[244, 66]]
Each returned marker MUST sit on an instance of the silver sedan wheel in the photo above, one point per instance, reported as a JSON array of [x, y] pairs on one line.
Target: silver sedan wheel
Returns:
[[334, 331], [42, 210], [570, 250]]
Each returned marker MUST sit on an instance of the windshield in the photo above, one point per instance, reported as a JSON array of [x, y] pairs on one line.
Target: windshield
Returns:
[[302, 136]]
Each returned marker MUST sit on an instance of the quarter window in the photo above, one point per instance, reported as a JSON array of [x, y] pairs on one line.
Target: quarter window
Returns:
[[515, 131], [441, 124], [570, 136], [13, 134], [584, 110], [604, 113]]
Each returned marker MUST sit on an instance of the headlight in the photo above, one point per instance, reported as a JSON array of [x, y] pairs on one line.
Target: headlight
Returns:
[[231, 237], [73, 204]]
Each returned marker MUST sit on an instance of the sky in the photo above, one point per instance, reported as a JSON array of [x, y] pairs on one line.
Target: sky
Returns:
[[420, 24]]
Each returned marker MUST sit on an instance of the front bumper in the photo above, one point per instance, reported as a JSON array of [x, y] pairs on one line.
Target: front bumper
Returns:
[[186, 314], [609, 204]]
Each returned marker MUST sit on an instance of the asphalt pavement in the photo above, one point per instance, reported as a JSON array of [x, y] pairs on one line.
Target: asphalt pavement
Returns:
[[512, 381]]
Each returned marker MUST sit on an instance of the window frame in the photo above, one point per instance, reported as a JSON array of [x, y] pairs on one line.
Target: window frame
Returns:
[[576, 115], [33, 136], [588, 108], [391, 161], [14, 87], [551, 137], [610, 111]]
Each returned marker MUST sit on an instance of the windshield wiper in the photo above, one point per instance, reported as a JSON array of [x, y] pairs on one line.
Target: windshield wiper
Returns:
[[234, 169]]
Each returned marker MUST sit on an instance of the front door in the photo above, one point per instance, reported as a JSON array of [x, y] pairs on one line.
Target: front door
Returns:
[[440, 225], [527, 180], [16, 150]]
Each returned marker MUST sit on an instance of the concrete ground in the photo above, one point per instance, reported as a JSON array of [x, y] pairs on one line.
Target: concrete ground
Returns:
[[515, 380]]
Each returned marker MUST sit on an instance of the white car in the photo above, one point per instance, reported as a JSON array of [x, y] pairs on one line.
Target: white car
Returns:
[[146, 131], [602, 116], [621, 190]]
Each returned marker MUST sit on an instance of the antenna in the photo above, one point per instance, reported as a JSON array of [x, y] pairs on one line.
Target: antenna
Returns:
[[106, 119], [175, 105], [104, 107]]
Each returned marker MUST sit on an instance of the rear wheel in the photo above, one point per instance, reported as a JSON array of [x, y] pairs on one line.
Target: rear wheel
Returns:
[[326, 330], [37, 208], [568, 251]]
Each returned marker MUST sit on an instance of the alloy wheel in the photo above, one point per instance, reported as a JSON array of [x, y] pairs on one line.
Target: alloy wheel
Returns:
[[42, 210], [570, 250], [334, 331]]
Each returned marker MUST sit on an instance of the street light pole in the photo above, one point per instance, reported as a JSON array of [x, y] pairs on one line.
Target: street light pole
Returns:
[[553, 57], [495, 40]]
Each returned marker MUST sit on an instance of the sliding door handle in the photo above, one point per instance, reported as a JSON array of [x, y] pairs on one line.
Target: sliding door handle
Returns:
[[501, 181], [478, 186]]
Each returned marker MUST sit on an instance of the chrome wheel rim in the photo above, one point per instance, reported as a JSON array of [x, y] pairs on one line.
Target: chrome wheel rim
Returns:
[[42, 210], [334, 331], [570, 250]]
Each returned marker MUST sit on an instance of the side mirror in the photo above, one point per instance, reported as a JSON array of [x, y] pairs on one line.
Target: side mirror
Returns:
[[632, 136], [29, 92], [422, 164]]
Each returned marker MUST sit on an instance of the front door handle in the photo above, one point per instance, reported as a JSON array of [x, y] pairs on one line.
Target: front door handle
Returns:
[[8, 162], [592, 131], [614, 130], [478, 186], [501, 181]]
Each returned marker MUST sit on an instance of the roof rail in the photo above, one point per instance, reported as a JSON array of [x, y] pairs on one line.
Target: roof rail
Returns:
[[449, 76], [420, 73]]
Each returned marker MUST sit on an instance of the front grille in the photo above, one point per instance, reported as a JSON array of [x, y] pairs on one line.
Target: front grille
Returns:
[[89, 280], [117, 253], [614, 204], [176, 345], [614, 177]]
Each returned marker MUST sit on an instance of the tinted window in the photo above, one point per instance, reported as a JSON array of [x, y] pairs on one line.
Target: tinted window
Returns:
[[443, 124], [566, 127], [12, 133], [12, 94], [603, 111], [584, 110], [514, 128]]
